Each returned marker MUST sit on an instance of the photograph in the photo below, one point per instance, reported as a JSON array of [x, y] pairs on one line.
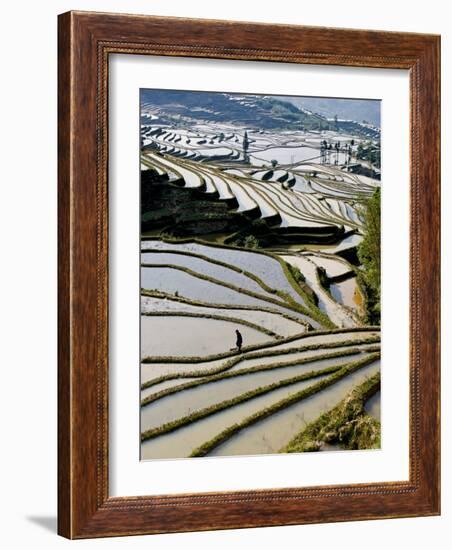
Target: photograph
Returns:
[[237, 321], [260, 270]]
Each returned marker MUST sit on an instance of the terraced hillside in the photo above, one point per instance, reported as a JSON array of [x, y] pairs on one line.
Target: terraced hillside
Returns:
[[257, 230]]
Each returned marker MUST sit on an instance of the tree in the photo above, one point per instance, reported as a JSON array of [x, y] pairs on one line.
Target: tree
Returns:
[[274, 163], [245, 146], [360, 151], [323, 146], [250, 241], [337, 146], [369, 254]]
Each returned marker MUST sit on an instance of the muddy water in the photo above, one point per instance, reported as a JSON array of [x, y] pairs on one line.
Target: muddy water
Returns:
[[205, 268], [347, 293], [373, 406], [172, 281], [152, 370], [271, 321], [193, 336], [165, 385], [182, 442], [271, 434], [327, 338], [338, 314], [303, 367], [185, 402], [265, 267]]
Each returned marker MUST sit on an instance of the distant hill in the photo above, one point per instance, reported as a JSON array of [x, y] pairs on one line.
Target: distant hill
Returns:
[[260, 111], [358, 110], [263, 112]]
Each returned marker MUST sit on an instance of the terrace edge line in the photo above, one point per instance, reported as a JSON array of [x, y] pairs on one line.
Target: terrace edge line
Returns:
[[85, 41]]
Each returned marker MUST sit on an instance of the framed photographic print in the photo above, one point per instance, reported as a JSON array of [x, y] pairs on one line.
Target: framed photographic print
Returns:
[[248, 275]]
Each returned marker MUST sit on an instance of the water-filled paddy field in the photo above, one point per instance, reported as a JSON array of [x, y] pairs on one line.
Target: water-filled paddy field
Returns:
[[256, 233], [271, 434]]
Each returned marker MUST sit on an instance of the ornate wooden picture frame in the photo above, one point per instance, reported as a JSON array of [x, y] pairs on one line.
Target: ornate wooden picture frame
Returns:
[[86, 40]]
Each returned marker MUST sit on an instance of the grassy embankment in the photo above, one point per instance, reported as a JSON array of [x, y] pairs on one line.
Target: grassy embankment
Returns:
[[301, 289], [289, 305], [269, 353], [306, 294], [369, 253], [223, 374], [226, 434], [199, 303], [347, 425], [294, 277], [338, 372], [257, 347]]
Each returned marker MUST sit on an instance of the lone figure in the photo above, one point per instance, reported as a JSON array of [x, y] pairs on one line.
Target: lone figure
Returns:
[[239, 340]]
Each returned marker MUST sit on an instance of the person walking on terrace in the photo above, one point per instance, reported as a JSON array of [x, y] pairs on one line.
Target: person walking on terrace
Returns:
[[239, 340]]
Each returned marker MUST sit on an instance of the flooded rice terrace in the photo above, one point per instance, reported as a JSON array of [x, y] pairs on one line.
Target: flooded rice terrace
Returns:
[[255, 316]]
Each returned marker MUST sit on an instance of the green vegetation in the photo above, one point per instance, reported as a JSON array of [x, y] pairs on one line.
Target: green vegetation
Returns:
[[296, 274], [182, 211], [273, 353], [370, 152], [228, 172], [219, 263], [369, 254], [312, 311], [308, 296], [322, 277], [251, 242], [176, 210], [347, 425], [217, 407], [283, 404], [198, 303], [268, 175], [258, 347], [300, 279], [214, 375], [288, 303]]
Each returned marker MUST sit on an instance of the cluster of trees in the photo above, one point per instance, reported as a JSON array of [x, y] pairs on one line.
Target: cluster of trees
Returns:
[[369, 254], [369, 152], [327, 148]]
